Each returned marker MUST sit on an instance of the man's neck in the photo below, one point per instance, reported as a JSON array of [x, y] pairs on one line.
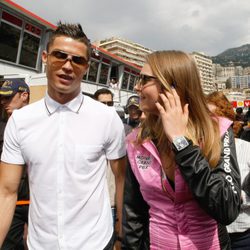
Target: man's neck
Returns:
[[63, 98]]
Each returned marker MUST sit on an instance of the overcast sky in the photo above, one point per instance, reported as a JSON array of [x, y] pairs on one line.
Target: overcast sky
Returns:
[[209, 26]]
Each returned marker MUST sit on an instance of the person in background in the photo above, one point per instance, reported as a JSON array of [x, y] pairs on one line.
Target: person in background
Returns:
[[245, 135], [134, 113], [182, 180], [65, 139], [239, 115], [113, 83], [105, 96], [239, 230], [15, 94], [247, 115]]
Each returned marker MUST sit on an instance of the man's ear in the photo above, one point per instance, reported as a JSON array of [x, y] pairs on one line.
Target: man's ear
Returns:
[[86, 69], [24, 96], [44, 56]]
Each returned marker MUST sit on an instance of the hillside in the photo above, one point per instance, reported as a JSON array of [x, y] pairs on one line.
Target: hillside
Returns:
[[239, 56]]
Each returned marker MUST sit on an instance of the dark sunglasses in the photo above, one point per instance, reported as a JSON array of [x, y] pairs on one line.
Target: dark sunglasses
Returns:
[[144, 79], [62, 57], [110, 103]]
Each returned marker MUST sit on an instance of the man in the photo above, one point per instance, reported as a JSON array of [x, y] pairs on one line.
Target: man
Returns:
[[134, 113], [239, 114], [113, 83], [14, 94], [247, 116], [104, 96], [245, 135], [65, 139]]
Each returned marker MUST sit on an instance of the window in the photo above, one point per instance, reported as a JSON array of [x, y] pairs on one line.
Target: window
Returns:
[[9, 40], [29, 50], [114, 72], [93, 69], [125, 80], [131, 82], [19, 40], [104, 74]]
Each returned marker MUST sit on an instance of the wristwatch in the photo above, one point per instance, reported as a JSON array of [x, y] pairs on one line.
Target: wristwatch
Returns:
[[180, 142]]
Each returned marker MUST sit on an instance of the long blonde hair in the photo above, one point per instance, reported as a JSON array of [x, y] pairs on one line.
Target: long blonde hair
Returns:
[[176, 68]]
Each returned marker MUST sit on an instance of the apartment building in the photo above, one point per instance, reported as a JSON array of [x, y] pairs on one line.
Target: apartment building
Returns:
[[129, 51], [228, 71], [240, 82], [204, 64]]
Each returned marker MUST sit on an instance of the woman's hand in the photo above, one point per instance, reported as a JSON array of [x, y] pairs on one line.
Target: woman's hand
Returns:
[[174, 117]]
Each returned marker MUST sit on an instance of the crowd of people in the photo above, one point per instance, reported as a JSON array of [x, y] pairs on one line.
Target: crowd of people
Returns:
[[173, 174]]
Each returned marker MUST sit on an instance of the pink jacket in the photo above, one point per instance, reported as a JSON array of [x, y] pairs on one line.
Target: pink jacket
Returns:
[[176, 219]]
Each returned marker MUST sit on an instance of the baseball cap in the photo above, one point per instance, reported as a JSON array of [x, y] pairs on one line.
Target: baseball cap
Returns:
[[11, 86], [133, 101]]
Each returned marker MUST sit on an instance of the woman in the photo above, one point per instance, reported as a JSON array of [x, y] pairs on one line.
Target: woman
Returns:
[[182, 179], [239, 230]]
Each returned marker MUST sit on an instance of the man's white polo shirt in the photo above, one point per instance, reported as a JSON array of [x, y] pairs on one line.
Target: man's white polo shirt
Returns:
[[65, 148]]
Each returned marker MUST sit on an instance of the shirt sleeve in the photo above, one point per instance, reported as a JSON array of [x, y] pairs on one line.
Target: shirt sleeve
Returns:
[[11, 147], [115, 147]]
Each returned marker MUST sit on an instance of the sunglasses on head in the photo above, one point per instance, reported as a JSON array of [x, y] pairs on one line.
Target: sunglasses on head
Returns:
[[62, 57], [110, 103], [144, 79]]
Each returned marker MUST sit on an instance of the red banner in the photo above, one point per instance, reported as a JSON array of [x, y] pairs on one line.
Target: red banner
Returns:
[[234, 103], [241, 104], [247, 103]]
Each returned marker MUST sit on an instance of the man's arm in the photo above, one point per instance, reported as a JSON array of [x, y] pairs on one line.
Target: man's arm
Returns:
[[118, 167], [10, 176]]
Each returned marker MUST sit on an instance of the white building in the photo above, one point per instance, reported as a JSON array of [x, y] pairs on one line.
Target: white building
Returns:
[[240, 82], [129, 51], [204, 64]]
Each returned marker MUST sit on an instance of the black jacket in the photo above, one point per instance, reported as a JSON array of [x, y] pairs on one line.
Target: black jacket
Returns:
[[216, 190]]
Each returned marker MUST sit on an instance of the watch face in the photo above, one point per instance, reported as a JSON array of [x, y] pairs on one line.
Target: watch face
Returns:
[[180, 143]]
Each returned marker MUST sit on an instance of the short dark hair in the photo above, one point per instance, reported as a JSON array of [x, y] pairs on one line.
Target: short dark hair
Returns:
[[70, 30], [239, 110], [102, 91]]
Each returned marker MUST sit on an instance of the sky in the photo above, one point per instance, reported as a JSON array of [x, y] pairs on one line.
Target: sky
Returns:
[[208, 26]]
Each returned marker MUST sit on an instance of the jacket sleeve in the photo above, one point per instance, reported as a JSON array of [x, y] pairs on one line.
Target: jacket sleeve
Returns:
[[135, 215], [216, 190]]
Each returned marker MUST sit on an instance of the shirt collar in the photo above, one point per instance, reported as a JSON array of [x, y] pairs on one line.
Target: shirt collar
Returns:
[[73, 105]]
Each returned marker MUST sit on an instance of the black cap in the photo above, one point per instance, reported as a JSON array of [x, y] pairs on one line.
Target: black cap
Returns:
[[11, 86]]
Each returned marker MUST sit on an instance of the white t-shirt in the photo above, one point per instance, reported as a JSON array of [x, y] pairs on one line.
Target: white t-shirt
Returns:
[[65, 148], [242, 222]]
